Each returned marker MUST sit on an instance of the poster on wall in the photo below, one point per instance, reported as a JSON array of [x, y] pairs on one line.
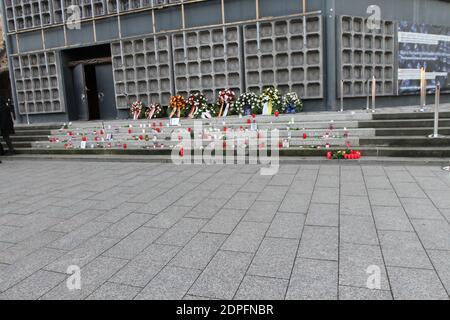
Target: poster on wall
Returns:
[[425, 46]]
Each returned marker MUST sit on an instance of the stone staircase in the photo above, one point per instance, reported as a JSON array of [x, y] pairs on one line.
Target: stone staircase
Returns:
[[309, 134]]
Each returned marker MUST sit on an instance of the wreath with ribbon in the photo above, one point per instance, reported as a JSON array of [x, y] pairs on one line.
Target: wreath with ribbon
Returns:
[[246, 104], [292, 103], [136, 109], [197, 106], [177, 103], [154, 111], [225, 102], [271, 101]]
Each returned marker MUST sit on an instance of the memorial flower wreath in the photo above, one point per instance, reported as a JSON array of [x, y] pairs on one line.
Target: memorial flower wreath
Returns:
[[177, 103], [225, 102], [292, 103], [198, 106], [246, 104], [154, 111], [136, 109], [271, 101]]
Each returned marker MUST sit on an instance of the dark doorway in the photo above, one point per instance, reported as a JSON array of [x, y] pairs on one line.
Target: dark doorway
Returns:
[[92, 92], [89, 83]]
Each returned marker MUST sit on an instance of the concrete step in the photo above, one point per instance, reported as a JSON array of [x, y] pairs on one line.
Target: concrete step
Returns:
[[42, 132], [410, 141], [20, 138], [34, 127], [410, 131], [413, 123], [427, 152], [20, 144], [365, 160], [411, 115]]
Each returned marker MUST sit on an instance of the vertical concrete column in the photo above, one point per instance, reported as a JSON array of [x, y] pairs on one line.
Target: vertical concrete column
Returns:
[[331, 63]]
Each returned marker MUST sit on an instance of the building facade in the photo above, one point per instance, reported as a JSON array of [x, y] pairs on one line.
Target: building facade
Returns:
[[90, 59]]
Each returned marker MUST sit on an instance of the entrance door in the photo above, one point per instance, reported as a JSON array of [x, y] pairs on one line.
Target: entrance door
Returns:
[[106, 93], [79, 88]]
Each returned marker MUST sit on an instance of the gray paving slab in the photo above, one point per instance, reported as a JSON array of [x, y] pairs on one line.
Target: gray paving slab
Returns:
[[74, 238], [13, 252], [82, 255], [417, 208], [146, 265], [319, 243], [354, 263], [199, 251], [416, 284], [325, 195], [295, 202], [95, 274], [223, 275], [441, 263], [26, 266], [323, 215], [133, 244], [383, 197], [313, 280], [262, 211], [261, 288], [246, 237], [114, 291], [354, 293], [391, 218], [358, 230], [434, 234], [124, 227], [182, 232], [171, 283], [354, 205], [34, 286], [286, 225], [275, 258], [403, 249], [224, 221]]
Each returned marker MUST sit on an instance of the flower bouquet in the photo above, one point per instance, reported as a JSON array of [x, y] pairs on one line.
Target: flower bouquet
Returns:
[[226, 98], [344, 154], [292, 103], [153, 111], [197, 105], [271, 101], [136, 109], [246, 104], [177, 103]]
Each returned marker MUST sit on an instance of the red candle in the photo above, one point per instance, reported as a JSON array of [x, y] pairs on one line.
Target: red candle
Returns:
[[305, 136], [253, 116], [125, 146], [329, 155], [277, 114]]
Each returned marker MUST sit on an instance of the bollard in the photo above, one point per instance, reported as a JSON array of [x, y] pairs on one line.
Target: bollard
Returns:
[[342, 96], [368, 96], [436, 113], [423, 90], [374, 92]]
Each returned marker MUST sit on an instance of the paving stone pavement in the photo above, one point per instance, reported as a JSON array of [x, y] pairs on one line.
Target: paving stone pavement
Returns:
[[160, 231]]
